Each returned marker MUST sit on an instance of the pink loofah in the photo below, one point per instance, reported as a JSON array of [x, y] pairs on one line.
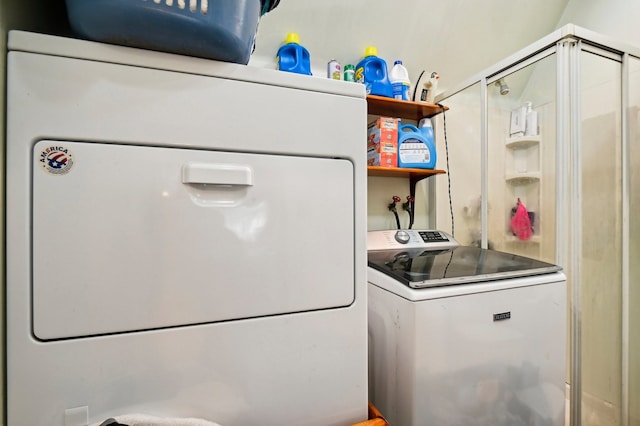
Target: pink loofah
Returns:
[[520, 222]]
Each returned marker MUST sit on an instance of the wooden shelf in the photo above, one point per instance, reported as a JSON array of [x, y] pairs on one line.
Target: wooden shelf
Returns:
[[388, 107], [402, 172]]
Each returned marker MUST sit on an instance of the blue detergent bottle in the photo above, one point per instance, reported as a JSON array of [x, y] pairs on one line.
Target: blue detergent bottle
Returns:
[[293, 57], [416, 147], [372, 72]]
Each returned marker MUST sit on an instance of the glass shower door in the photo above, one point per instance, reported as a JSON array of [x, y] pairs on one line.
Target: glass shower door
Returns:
[[579, 180], [462, 216], [521, 190]]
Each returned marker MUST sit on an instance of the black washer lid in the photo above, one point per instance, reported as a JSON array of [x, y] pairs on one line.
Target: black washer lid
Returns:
[[418, 268]]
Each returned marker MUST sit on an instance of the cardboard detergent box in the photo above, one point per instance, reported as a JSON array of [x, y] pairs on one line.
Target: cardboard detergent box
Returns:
[[382, 142]]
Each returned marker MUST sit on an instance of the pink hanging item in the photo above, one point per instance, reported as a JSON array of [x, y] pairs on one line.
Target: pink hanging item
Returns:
[[520, 222]]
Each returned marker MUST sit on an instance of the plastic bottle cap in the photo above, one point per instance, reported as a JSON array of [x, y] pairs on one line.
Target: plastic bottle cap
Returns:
[[292, 38], [371, 51], [398, 62]]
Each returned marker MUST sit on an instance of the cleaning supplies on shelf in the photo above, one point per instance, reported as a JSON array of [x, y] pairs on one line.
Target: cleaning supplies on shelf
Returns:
[[416, 146], [349, 72], [429, 88], [293, 57], [372, 72], [334, 70], [399, 77], [518, 122], [382, 142], [531, 127]]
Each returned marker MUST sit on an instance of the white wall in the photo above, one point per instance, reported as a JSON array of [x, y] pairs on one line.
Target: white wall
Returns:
[[615, 18]]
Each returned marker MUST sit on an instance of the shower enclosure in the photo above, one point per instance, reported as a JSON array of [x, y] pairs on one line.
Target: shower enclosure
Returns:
[[572, 181]]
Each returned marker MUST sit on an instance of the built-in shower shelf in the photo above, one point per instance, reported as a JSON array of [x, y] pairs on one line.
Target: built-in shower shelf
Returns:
[[522, 178], [535, 239], [522, 142]]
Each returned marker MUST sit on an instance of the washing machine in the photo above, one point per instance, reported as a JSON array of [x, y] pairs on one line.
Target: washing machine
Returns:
[[463, 336], [174, 246]]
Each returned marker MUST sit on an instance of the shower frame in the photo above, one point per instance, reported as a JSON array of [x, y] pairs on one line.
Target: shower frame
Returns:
[[567, 43]]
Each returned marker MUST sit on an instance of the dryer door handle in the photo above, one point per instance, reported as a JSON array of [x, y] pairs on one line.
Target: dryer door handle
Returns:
[[217, 174]]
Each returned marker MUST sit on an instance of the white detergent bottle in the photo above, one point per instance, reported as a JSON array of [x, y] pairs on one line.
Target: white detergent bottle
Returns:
[[399, 77], [531, 126]]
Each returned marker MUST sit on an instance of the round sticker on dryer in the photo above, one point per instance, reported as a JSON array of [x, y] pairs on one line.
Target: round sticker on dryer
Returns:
[[56, 160]]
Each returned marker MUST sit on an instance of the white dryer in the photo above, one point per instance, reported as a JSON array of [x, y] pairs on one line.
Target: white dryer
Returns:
[[464, 336], [185, 238]]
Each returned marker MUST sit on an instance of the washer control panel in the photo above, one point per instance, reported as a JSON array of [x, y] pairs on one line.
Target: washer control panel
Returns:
[[409, 238], [402, 237]]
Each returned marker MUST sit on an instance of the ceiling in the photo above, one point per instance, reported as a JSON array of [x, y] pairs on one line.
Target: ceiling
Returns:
[[456, 38]]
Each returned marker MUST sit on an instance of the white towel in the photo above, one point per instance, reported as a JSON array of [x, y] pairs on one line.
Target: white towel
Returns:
[[145, 420]]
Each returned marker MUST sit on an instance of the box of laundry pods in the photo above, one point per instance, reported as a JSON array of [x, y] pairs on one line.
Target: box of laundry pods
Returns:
[[382, 142]]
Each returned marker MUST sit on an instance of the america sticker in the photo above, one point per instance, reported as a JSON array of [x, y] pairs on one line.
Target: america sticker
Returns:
[[56, 160]]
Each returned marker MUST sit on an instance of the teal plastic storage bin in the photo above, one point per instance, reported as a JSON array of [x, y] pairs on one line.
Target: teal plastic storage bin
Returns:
[[223, 30]]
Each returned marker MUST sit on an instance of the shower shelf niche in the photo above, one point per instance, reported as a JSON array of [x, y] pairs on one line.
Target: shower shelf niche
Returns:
[[513, 239], [522, 158], [523, 178]]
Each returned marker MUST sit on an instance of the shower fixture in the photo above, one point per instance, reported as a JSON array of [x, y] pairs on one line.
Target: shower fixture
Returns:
[[504, 89]]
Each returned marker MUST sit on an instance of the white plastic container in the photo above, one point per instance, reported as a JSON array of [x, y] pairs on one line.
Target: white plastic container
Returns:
[[399, 77], [531, 128]]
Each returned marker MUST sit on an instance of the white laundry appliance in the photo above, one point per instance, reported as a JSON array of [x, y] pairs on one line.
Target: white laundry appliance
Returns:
[[185, 238], [463, 336]]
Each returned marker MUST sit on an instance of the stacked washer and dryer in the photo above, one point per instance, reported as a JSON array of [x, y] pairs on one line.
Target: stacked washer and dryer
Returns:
[[173, 243], [464, 336]]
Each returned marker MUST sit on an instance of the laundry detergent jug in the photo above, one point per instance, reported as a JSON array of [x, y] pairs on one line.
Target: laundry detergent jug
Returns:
[[372, 72], [293, 57], [416, 147]]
